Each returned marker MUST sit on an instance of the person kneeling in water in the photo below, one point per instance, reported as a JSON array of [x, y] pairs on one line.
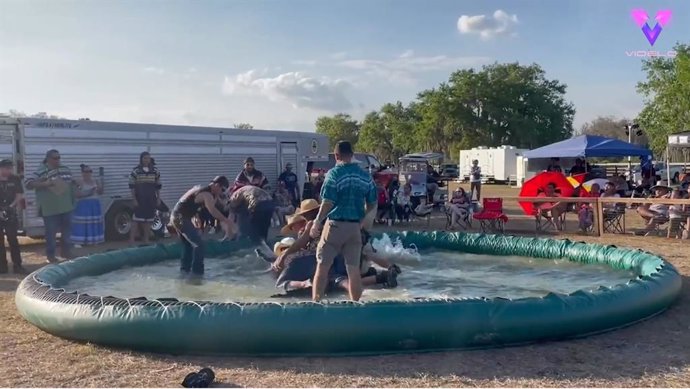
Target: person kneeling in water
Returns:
[[370, 275], [297, 265], [181, 222]]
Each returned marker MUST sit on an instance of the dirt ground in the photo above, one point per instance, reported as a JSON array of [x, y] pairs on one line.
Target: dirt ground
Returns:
[[653, 353]]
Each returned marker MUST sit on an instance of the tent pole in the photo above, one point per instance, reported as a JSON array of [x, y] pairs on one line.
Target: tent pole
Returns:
[[668, 166]]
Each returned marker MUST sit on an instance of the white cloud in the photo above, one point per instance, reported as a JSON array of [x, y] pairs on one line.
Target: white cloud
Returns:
[[402, 68], [297, 88], [501, 23]]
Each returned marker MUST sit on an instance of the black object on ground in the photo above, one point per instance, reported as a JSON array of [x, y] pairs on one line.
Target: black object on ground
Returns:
[[202, 379]]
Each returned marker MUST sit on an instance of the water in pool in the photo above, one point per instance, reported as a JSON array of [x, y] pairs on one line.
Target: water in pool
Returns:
[[242, 277]]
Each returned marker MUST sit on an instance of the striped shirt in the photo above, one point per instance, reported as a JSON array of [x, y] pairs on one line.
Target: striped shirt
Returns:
[[349, 188], [145, 182], [50, 201]]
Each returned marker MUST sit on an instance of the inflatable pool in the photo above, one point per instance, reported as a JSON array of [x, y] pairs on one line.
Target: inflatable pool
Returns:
[[339, 327]]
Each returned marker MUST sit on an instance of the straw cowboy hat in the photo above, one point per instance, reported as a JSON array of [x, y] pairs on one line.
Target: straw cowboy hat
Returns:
[[661, 184], [291, 221], [307, 206], [282, 245]]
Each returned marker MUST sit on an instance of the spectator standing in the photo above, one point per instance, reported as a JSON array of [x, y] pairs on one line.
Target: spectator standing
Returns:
[[145, 184], [578, 168], [348, 196], [87, 221], [291, 184], [250, 176], [475, 180], [555, 166], [11, 194], [55, 195], [403, 202]]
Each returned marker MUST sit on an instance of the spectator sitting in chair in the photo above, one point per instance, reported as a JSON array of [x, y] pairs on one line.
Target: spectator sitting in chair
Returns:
[[610, 192], [585, 214], [579, 167], [655, 214], [432, 183], [403, 202], [549, 209], [384, 203], [459, 206]]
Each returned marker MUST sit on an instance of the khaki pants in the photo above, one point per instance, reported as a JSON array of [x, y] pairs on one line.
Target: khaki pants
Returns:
[[340, 238]]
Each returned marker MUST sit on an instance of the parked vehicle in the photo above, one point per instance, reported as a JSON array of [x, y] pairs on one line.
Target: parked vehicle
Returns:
[[367, 161], [413, 169], [185, 156], [449, 170], [659, 169]]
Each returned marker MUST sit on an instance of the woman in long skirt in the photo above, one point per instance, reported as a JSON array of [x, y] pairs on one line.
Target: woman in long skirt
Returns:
[[87, 220]]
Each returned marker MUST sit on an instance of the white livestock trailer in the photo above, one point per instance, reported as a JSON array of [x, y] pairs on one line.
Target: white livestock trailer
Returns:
[[185, 156]]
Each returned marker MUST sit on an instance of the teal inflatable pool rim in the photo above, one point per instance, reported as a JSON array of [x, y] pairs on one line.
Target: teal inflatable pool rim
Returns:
[[347, 328]]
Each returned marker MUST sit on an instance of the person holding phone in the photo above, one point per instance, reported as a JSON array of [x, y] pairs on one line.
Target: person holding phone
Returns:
[[87, 221], [55, 195]]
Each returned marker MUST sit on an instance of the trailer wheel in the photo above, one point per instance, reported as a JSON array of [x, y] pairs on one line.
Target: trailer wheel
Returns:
[[118, 222]]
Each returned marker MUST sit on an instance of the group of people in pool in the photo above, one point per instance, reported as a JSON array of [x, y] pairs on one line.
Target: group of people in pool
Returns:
[[293, 259]]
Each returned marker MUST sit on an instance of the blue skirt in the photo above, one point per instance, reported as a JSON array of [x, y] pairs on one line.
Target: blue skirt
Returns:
[[87, 223]]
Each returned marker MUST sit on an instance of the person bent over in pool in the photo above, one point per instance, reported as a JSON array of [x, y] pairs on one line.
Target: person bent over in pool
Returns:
[[181, 222], [254, 208]]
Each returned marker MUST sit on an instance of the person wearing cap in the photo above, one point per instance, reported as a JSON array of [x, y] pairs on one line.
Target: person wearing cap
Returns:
[[655, 214], [145, 184], [187, 207], [55, 196], [254, 208], [11, 195], [348, 196], [291, 183], [250, 176]]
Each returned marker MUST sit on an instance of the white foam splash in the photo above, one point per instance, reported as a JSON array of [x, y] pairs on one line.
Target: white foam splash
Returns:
[[395, 249]]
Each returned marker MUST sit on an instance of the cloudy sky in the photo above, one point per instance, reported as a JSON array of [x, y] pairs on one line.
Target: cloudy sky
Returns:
[[280, 64]]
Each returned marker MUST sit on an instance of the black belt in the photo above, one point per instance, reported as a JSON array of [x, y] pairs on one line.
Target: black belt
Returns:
[[344, 220]]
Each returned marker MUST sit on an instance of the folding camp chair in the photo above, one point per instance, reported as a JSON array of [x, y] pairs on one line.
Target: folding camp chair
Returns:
[[614, 219], [464, 222], [544, 221], [491, 217]]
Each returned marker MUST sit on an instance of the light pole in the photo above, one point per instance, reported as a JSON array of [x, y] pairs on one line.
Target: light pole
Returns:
[[629, 132]]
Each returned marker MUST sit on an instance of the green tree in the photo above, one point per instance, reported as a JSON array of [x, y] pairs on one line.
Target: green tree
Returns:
[[612, 127], [666, 94], [243, 126], [337, 128], [389, 133]]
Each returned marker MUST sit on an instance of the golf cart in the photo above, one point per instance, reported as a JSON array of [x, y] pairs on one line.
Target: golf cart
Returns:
[[414, 169]]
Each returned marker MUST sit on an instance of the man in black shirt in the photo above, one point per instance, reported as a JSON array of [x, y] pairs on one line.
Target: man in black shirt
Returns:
[[579, 167], [10, 196], [291, 184]]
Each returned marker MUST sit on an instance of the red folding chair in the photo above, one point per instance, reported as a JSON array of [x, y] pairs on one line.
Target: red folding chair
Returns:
[[491, 218]]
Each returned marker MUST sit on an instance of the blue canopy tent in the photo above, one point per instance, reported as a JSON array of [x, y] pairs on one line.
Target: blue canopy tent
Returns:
[[588, 146]]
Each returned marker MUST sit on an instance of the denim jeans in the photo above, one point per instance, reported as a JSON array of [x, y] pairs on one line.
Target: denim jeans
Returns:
[[193, 250], [61, 223]]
